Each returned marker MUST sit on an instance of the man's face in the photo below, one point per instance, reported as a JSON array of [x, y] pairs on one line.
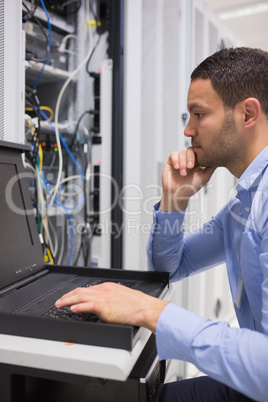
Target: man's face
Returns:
[[212, 128]]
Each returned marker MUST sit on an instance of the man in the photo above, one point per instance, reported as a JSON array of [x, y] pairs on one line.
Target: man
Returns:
[[228, 126]]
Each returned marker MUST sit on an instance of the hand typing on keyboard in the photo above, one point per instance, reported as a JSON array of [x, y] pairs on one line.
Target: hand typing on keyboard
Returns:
[[116, 304]]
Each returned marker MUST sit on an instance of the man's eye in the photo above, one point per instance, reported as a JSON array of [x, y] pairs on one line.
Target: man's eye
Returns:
[[199, 115]]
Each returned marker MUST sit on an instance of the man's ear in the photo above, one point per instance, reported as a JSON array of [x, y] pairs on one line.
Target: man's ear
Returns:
[[251, 111]]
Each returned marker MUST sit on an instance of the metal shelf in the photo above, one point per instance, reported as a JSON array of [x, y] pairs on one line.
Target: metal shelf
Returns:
[[55, 20], [50, 73]]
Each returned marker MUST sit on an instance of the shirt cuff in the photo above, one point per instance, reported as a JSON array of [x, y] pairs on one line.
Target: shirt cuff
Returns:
[[175, 331], [167, 223]]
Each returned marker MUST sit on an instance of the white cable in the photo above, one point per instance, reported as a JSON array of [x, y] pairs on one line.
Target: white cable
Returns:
[[72, 123], [64, 181], [66, 125], [71, 77], [48, 238], [28, 166], [62, 47]]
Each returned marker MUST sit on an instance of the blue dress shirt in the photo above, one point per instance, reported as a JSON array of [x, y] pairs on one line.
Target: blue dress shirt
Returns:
[[237, 235]]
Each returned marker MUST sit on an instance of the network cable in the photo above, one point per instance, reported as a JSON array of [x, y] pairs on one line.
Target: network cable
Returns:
[[54, 6], [31, 12], [65, 145], [65, 209], [55, 190], [48, 23], [98, 24], [28, 55], [67, 82], [48, 46]]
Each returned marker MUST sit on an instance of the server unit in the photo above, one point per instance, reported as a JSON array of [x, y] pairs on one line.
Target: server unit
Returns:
[[61, 73], [11, 72]]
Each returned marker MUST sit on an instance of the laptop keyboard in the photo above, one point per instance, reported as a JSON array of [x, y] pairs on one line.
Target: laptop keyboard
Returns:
[[66, 314]]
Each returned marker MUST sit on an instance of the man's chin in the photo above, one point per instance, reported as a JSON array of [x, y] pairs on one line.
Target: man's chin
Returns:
[[206, 164]]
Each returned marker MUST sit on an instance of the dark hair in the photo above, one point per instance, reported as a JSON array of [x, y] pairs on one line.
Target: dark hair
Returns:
[[237, 74]]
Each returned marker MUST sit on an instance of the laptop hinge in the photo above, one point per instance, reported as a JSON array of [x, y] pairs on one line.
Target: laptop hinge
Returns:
[[23, 282]]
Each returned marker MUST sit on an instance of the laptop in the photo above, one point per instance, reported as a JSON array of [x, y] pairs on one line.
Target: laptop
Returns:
[[29, 287]]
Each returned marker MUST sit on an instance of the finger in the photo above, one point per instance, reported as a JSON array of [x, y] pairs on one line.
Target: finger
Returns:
[[190, 158], [88, 306], [78, 305], [174, 160], [76, 296], [183, 163], [66, 301], [72, 292]]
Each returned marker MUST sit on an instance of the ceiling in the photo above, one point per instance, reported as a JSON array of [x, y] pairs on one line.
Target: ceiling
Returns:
[[252, 29]]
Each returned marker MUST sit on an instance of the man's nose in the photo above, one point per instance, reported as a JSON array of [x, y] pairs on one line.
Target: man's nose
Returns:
[[190, 130]]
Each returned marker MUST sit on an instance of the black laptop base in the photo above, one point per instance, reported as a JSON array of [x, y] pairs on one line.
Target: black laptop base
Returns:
[[89, 333]]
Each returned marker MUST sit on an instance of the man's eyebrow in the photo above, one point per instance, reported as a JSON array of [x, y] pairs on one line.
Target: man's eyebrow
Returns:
[[193, 106]]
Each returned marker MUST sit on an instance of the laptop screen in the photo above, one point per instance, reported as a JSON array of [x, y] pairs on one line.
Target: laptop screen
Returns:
[[13, 219], [20, 249]]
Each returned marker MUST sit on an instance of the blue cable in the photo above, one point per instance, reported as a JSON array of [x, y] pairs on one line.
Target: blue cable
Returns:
[[65, 145], [49, 45], [59, 203], [72, 157], [48, 23], [69, 219], [56, 201], [38, 79]]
